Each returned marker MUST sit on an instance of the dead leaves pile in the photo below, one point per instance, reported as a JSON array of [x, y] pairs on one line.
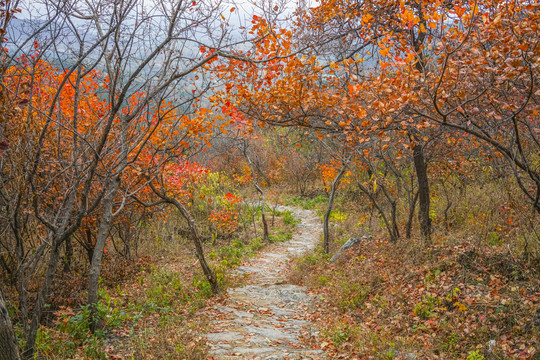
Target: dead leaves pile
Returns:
[[403, 301]]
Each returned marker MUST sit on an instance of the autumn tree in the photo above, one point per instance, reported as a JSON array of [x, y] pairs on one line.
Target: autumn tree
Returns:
[[89, 125], [461, 65], [402, 72]]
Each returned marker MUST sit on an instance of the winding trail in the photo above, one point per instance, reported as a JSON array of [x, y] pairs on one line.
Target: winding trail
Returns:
[[265, 318]]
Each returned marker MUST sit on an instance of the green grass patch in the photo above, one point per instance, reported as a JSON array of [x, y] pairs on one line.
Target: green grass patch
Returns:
[[307, 203]]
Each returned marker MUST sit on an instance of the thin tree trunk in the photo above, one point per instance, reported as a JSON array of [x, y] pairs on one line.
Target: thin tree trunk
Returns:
[[95, 267], [210, 275], [393, 213], [447, 207], [68, 253], [446, 221], [56, 240], [41, 299], [23, 300], [8, 343], [326, 230], [197, 240], [260, 191], [379, 209], [418, 151], [89, 246], [423, 190], [412, 207], [395, 227], [262, 174], [263, 217], [105, 225]]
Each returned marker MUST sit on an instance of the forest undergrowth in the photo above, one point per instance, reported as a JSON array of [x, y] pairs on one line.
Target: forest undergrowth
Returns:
[[474, 294], [152, 307]]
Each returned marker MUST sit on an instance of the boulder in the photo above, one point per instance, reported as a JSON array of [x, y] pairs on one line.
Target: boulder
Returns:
[[349, 244]]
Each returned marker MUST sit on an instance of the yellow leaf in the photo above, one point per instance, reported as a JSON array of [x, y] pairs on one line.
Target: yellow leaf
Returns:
[[384, 51], [366, 18]]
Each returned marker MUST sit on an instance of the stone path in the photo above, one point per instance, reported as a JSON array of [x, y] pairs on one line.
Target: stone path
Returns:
[[264, 319]]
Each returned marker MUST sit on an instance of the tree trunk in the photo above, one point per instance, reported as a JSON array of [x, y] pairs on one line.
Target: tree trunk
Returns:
[[8, 343], [105, 225], [394, 231], [210, 275], [42, 298], [68, 253], [263, 217], [395, 227], [95, 267], [423, 193], [376, 205], [89, 247], [418, 151], [412, 207], [260, 191], [326, 230], [197, 240]]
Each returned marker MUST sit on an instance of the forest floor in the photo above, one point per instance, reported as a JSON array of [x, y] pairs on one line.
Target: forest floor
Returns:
[[460, 298], [266, 318], [456, 299]]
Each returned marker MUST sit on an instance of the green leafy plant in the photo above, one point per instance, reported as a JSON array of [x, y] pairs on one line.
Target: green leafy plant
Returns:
[[475, 355], [281, 236], [353, 295], [306, 203], [256, 244], [289, 218], [424, 309], [323, 281], [494, 239], [451, 341], [339, 336], [338, 216], [72, 331], [314, 258]]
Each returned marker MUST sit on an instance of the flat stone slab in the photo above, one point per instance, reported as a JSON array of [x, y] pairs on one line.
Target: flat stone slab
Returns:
[[238, 313], [224, 336]]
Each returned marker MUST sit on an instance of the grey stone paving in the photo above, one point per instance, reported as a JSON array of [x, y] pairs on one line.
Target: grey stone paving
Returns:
[[265, 319]]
